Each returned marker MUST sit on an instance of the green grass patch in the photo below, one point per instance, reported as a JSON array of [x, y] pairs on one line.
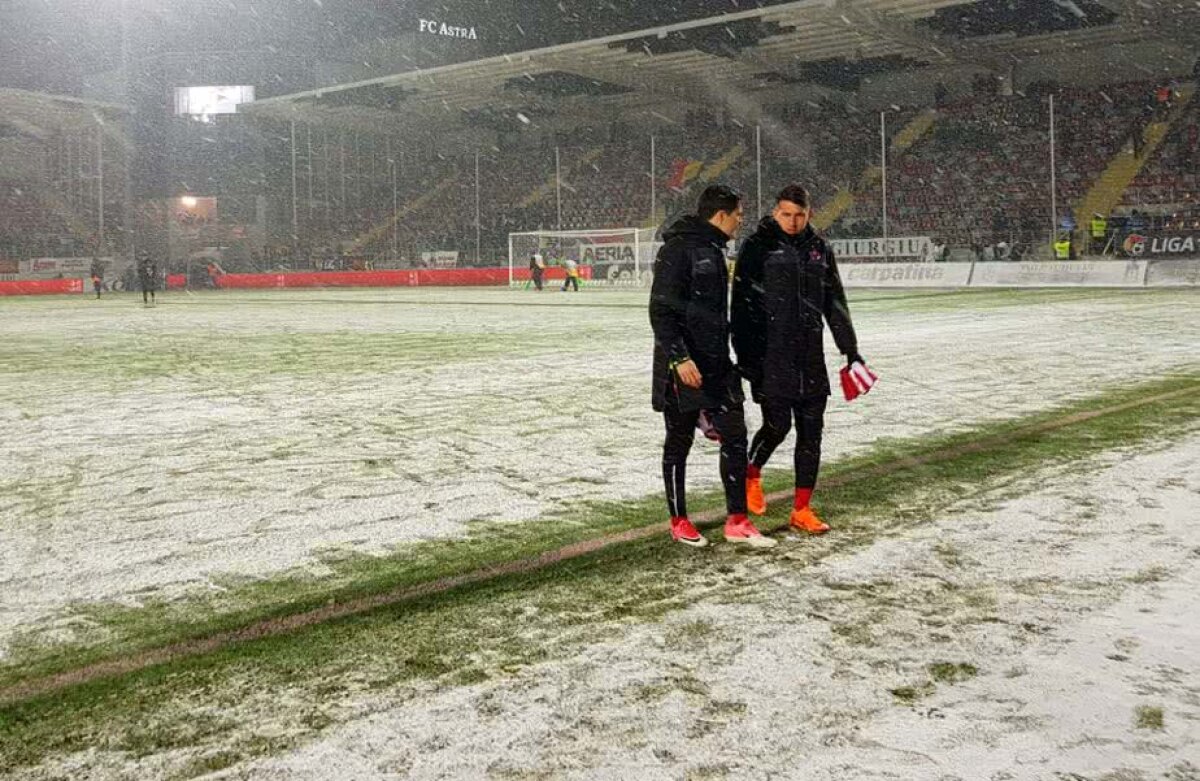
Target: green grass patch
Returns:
[[856, 633], [468, 635], [952, 672], [1148, 717], [120, 630], [210, 763], [460, 638], [1153, 574], [691, 633], [909, 695]]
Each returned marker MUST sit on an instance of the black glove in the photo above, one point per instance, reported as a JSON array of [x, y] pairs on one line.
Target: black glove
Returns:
[[853, 358]]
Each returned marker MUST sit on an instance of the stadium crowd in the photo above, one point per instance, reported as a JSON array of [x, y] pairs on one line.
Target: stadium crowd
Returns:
[[975, 179]]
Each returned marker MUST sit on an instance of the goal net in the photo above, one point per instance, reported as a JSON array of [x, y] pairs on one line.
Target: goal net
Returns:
[[612, 257]]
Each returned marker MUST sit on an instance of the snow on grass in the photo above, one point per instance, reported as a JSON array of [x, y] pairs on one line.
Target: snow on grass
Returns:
[[264, 698], [1016, 636], [155, 452]]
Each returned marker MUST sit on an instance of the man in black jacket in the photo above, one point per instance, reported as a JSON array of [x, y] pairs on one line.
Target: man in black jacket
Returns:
[[536, 269], [147, 271], [785, 288], [692, 368]]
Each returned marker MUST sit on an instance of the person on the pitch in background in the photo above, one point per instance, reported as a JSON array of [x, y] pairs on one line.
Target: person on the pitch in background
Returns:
[[572, 277], [536, 269], [147, 271], [97, 274], [692, 369], [785, 287]]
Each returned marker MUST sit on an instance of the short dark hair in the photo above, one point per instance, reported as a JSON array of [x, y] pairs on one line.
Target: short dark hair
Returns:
[[717, 198], [794, 193]]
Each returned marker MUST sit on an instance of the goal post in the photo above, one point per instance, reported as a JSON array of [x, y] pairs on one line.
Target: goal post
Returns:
[[610, 257]]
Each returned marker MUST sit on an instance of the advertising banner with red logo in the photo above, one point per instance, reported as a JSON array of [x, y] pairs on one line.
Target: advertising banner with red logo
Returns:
[[1162, 244]]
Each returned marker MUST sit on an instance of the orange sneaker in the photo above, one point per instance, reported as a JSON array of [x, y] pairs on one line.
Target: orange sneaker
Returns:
[[805, 520], [755, 501]]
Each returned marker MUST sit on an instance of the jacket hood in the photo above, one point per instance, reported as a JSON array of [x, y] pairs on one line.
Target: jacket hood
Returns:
[[691, 226]]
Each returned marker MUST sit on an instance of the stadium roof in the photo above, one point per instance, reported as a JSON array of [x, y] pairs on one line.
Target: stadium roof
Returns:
[[37, 114], [828, 45]]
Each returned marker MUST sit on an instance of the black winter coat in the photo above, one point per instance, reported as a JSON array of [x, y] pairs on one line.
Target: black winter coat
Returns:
[[689, 312], [147, 271], [784, 289]]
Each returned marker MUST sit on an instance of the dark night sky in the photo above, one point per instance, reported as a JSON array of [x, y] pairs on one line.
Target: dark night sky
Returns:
[[51, 45]]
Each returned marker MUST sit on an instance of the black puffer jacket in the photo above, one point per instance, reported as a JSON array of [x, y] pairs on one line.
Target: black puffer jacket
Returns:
[[147, 271], [784, 289], [689, 312]]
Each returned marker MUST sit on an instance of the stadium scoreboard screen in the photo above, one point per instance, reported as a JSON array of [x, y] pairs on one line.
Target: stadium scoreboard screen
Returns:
[[205, 101]]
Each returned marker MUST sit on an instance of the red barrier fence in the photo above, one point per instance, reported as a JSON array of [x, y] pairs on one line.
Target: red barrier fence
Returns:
[[556, 273], [441, 277], [41, 287]]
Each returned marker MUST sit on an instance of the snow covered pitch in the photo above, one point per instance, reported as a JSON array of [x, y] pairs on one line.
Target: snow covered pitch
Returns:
[[164, 465], [153, 452]]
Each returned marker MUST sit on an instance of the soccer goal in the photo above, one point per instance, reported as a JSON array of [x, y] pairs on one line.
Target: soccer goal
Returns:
[[609, 256]]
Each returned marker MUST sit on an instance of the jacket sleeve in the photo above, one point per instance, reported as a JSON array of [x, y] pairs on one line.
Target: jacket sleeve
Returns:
[[748, 315], [668, 301], [837, 311]]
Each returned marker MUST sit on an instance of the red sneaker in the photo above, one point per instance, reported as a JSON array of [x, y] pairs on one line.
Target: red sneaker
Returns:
[[740, 531], [683, 531]]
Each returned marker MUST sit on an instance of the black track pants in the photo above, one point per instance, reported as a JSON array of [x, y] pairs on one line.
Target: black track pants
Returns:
[[681, 430], [777, 422]]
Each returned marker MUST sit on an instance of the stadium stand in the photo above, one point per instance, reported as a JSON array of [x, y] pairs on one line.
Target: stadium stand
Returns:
[[381, 171], [977, 176], [54, 198], [1170, 180]]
